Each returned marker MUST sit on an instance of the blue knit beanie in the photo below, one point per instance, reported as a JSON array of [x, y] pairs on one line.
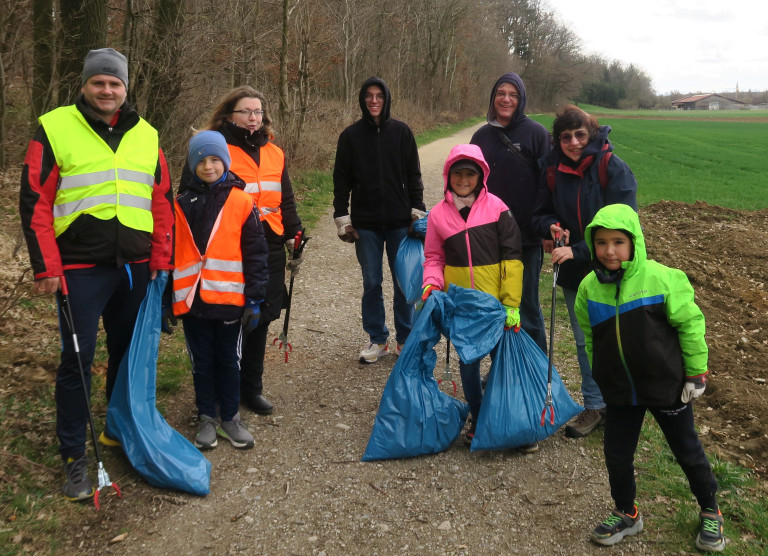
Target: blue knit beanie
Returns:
[[208, 143]]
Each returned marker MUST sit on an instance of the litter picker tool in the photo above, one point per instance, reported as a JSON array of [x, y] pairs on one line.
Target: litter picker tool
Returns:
[[102, 473], [559, 242], [447, 376], [298, 247]]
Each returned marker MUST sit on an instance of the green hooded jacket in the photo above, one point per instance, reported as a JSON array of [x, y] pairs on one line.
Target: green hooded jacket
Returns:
[[644, 331]]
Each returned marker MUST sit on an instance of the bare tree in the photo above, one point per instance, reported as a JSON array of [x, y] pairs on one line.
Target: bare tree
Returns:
[[83, 27]]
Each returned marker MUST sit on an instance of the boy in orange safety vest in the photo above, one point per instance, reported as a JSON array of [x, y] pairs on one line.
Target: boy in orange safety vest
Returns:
[[218, 284]]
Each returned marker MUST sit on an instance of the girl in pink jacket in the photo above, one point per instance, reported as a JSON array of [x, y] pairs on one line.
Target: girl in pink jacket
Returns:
[[474, 242]]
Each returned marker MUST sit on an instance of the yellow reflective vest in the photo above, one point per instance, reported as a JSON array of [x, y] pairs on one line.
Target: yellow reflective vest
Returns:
[[263, 181], [97, 181]]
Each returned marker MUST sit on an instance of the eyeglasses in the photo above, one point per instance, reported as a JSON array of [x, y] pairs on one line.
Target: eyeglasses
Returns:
[[512, 96], [247, 113], [378, 96], [580, 136]]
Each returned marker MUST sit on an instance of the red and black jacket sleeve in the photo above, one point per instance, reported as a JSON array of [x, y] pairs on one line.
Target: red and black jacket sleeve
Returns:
[[39, 180]]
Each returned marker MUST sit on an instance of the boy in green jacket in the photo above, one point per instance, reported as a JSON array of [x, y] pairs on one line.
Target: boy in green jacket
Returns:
[[645, 342]]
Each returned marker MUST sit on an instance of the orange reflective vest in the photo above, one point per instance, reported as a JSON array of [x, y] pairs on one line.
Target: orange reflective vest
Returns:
[[263, 181], [219, 273]]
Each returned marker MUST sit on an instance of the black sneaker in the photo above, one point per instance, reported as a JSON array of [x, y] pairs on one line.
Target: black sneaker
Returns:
[[470, 434], [617, 526], [78, 486], [710, 537]]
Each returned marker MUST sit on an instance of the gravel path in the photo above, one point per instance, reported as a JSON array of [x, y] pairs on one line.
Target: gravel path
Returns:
[[303, 490]]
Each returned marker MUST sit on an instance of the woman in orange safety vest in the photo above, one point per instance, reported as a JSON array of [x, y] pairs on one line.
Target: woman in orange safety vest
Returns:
[[242, 118]]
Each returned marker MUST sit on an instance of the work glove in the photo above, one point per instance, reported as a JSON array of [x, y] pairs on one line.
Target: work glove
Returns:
[[294, 262], [692, 390], [251, 314], [345, 230], [513, 318], [167, 318], [427, 291]]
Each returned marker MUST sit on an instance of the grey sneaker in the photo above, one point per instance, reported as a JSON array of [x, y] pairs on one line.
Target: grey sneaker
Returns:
[[78, 486], [206, 433], [528, 448], [235, 432], [372, 352], [617, 526], [710, 537], [587, 421]]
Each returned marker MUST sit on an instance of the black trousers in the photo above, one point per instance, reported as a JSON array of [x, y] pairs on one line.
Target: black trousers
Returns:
[[622, 432]]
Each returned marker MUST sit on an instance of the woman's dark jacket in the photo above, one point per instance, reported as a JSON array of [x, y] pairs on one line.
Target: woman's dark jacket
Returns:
[[576, 198]]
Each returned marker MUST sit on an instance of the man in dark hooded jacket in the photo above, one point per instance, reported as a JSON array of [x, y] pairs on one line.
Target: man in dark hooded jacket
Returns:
[[512, 144], [377, 165]]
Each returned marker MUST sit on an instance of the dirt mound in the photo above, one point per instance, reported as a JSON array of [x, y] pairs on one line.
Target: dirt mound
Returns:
[[725, 254]]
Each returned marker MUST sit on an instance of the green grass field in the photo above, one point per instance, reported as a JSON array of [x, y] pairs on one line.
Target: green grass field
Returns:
[[717, 161]]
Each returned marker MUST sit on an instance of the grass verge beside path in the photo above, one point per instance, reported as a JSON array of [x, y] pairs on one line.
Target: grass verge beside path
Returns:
[[717, 161]]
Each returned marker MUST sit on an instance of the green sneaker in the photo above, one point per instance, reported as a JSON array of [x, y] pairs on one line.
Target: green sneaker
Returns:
[[710, 537], [617, 526], [78, 487]]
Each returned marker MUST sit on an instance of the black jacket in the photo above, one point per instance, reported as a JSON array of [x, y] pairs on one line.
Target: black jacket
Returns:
[[378, 166], [201, 205], [514, 167]]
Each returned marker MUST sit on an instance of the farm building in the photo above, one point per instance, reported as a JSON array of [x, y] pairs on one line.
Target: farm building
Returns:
[[709, 101]]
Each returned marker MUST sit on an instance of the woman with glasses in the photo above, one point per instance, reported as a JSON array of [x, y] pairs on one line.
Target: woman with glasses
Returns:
[[243, 119], [581, 175]]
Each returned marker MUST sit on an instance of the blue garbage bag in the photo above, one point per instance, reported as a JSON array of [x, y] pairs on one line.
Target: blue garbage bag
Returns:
[[158, 452], [409, 262], [515, 395], [415, 417]]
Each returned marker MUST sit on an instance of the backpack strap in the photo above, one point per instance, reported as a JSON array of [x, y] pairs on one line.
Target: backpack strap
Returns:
[[551, 173], [602, 169]]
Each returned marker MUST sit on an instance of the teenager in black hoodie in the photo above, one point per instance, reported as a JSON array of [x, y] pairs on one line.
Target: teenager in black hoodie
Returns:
[[377, 165]]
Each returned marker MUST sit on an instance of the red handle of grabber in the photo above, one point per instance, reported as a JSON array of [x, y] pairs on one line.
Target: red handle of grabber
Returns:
[[63, 285]]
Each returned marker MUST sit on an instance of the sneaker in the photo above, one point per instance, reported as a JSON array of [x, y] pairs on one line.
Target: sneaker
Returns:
[[617, 526], [206, 433], [371, 352], [710, 537], [528, 448], [78, 486], [587, 421], [399, 349], [470, 434], [235, 432]]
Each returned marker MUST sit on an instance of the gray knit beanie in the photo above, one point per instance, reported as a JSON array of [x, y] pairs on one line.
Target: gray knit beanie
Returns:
[[106, 61]]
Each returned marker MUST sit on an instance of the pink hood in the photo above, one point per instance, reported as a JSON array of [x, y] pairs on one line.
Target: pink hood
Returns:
[[466, 152]]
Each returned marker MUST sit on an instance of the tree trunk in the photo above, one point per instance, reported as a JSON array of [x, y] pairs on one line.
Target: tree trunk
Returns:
[[83, 28], [42, 79], [284, 67]]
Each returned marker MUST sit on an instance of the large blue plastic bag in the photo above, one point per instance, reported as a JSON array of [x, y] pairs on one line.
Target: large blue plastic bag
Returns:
[[409, 262], [514, 398], [158, 453], [414, 416]]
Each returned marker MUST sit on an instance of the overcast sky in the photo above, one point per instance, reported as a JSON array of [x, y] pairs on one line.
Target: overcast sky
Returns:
[[702, 46]]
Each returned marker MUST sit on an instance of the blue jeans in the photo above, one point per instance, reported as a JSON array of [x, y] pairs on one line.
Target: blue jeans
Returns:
[[531, 317], [593, 399], [370, 252]]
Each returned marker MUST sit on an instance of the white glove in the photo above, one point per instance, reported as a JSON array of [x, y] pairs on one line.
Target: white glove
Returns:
[[417, 214], [345, 230], [692, 390], [293, 263]]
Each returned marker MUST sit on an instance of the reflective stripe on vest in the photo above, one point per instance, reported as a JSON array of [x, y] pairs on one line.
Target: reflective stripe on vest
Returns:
[[262, 181], [97, 181], [218, 274]]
